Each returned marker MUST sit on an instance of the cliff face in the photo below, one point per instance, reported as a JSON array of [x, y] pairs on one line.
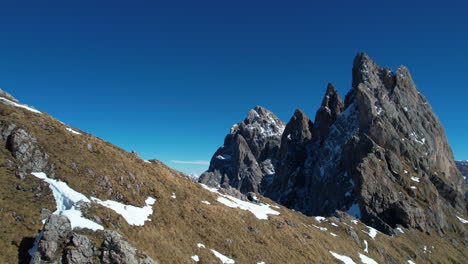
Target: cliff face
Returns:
[[381, 155]]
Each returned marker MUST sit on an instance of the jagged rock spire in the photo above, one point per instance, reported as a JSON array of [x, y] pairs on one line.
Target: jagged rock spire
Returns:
[[332, 106]]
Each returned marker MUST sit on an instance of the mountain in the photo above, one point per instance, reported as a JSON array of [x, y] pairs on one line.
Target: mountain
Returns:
[[67, 196], [248, 157], [380, 155]]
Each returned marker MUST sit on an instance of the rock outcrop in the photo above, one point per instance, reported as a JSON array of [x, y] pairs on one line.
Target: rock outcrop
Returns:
[[58, 243], [248, 157], [381, 155]]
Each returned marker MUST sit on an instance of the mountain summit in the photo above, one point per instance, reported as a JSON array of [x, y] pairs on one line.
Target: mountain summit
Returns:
[[381, 155]]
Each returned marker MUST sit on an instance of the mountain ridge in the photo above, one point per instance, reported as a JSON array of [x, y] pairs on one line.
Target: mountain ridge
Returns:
[[188, 222], [366, 152]]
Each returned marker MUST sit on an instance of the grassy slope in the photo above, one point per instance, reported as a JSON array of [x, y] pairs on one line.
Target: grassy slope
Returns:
[[177, 225]]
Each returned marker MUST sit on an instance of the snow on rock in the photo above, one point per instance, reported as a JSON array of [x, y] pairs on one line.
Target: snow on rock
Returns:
[[8, 102], [399, 229], [416, 179], [372, 232], [462, 220], [260, 210], [195, 258], [73, 131], [224, 157], [66, 200], [133, 215], [344, 259], [366, 260], [224, 259], [200, 245]]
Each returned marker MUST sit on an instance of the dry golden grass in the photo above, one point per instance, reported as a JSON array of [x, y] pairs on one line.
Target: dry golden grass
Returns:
[[177, 225]]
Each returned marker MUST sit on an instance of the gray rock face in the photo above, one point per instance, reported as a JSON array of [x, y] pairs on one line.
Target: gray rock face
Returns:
[[56, 230], [57, 243], [23, 146], [117, 250], [326, 115], [248, 154], [294, 151], [80, 250], [381, 155]]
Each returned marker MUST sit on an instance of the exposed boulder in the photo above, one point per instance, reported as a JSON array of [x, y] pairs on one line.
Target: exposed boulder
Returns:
[[116, 250], [58, 243]]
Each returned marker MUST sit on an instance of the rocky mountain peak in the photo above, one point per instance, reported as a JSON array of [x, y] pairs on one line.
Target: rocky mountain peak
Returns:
[[248, 154], [382, 155]]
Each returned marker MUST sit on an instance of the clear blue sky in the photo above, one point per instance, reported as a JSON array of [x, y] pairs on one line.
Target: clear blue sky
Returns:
[[169, 78]]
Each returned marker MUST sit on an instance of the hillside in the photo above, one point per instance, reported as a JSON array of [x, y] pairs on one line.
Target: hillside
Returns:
[[94, 188]]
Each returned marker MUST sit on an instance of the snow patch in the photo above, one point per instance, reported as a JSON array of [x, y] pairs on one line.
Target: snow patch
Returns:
[[462, 220], [417, 138], [416, 179], [411, 262], [399, 229], [344, 259], [136, 216], [354, 221], [321, 228], [224, 259], [333, 234], [205, 202], [73, 131], [195, 258], [66, 199], [333, 224], [200, 245], [366, 249], [413, 187], [366, 260], [260, 210], [173, 196], [372, 232], [8, 102], [320, 219]]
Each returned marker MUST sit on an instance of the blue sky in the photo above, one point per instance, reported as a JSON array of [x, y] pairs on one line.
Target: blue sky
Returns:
[[169, 79]]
